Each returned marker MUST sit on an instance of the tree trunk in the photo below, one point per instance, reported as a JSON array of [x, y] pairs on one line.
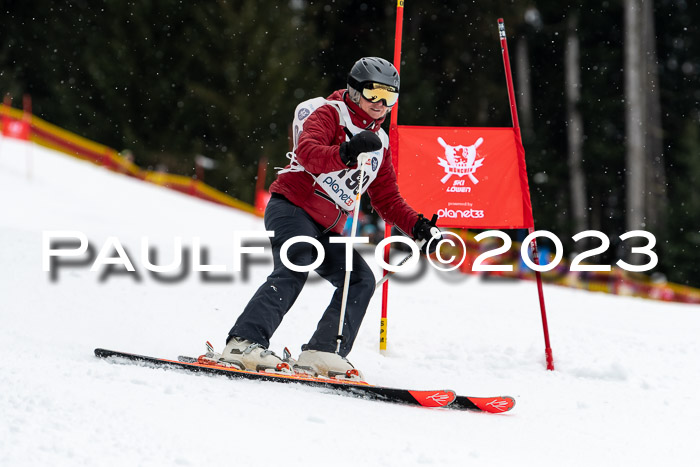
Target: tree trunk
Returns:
[[634, 117], [522, 75], [657, 203], [574, 128]]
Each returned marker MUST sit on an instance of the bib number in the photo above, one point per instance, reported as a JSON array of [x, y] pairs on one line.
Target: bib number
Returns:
[[343, 186], [353, 181]]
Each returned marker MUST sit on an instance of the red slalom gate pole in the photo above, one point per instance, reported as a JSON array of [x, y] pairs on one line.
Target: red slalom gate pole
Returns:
[[533, 243], [394, 144]]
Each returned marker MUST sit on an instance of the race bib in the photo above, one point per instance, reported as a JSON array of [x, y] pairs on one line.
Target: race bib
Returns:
[[343, 186]]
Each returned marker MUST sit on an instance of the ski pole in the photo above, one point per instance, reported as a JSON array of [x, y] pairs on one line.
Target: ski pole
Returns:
[[361, 160], [403, 261], [435, 232]]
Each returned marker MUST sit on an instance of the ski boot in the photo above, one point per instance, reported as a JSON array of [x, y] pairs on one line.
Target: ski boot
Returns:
[[247, 355], [326, 364]]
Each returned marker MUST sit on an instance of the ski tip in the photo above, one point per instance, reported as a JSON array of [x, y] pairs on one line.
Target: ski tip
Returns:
[[499, 404], [441, 398]]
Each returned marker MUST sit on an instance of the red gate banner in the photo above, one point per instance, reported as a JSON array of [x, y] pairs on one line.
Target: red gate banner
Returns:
[[470, 177], [12, 128]]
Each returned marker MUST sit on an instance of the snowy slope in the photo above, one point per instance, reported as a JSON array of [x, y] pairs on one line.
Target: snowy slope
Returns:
[[622, 394]]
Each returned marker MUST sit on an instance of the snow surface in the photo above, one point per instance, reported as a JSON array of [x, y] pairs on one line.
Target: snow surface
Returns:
[[622, 393]]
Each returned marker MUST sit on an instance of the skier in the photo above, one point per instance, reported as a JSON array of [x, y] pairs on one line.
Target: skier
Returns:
[[310, 198]]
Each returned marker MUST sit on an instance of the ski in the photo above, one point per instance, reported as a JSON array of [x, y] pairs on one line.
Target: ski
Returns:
[[434, 399]]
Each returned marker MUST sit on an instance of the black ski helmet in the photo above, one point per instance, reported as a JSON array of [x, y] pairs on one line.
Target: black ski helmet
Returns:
[[375, 70]]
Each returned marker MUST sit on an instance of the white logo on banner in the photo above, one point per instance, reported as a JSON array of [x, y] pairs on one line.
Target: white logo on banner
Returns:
[[460, 160]]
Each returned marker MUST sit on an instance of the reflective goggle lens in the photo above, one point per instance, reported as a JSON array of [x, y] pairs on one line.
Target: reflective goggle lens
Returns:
[[375, 92]]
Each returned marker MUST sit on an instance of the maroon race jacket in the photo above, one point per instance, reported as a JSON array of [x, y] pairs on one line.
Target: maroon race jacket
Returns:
[[318, 152]]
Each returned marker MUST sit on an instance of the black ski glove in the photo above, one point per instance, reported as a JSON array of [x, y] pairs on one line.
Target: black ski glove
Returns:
[[364, 141], [422, 231]]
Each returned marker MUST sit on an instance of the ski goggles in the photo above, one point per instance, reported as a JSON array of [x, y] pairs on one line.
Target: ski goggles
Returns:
[[375, 92]]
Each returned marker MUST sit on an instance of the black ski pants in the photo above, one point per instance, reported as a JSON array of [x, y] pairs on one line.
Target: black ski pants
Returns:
[[264, 312]]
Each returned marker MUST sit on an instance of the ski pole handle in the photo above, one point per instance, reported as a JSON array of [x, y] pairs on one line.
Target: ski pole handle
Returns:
[[362, 158], [435, 232]]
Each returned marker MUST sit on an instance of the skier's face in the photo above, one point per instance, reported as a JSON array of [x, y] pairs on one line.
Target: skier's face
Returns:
[[376, 110]]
